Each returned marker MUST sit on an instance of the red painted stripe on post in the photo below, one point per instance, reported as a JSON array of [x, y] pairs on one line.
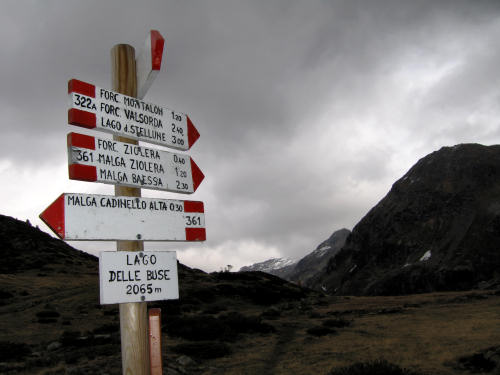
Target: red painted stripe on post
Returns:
[[81, 140], [82, 172], [81, 87], [197, 174], [193, 134], [157, 43], [194, 206], [196, 234], [82, 118], [155, 360], [53, 216]]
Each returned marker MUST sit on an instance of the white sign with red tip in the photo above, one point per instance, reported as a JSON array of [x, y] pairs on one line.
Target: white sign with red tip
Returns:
[[96, 108], [109, 218], [132, 276], [148, 63], [111, 162]]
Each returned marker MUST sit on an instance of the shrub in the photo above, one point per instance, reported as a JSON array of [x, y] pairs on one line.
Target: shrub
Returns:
[[245, 324], [379, 367], [203, 350], [206, 327], [5, 295], [320, 331], [198, 328], [48, 314], [215, 308], [47, 320], [107, 328], [71, 338], [11, 351], [272, 313], [477, 363], [336, 323]]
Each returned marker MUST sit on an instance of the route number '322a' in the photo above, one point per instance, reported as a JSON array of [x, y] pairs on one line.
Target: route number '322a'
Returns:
[[84, 102]]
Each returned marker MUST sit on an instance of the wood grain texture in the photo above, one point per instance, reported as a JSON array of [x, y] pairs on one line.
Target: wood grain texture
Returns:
[[133, 316]]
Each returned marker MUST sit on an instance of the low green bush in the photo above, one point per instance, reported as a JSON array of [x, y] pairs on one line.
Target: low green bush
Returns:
[[379, 367], [336, 323], [320, 331], [205, 327], [12, 351], [203, 350]]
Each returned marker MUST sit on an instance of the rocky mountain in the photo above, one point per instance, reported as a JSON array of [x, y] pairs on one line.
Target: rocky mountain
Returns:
[[274, 266], [308, 267], [302, 271], [437, 229]]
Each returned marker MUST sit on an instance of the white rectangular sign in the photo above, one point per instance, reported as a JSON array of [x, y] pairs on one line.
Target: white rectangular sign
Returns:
[[111, 162], [96, 108], [79, 217], [133, 276]]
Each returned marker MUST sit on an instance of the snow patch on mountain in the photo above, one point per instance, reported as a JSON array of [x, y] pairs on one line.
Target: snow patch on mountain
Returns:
[[321, 251], [269, 265], [426, 256]]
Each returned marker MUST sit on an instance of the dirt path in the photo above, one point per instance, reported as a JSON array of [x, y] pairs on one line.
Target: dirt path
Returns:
[[287, 333]]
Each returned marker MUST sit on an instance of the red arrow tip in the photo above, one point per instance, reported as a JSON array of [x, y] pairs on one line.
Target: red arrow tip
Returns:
[[197, 174], [193, 134], [53, 216]]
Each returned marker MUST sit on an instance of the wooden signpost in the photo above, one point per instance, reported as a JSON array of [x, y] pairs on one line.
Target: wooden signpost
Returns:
[[131, 276], [112, 162], [81, 217], [113, 112], [148, 63]]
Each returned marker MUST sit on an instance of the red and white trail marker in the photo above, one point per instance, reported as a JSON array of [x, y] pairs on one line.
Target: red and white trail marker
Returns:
[[148, 62], [111, 162], [75, 216], [96, 108]]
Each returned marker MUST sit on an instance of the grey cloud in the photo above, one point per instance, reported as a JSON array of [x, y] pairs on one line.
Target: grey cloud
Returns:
[[304, 119]]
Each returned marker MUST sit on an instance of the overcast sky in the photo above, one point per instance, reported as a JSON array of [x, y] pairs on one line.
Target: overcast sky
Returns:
[[308, 110]]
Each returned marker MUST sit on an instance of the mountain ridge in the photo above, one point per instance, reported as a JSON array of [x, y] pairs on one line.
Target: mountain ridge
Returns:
[[436, 229], [303, 271]]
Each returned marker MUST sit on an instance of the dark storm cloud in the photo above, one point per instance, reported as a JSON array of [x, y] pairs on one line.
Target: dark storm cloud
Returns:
[[308, 110]]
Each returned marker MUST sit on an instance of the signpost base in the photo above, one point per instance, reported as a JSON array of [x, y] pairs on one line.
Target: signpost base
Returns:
[[134, 338]]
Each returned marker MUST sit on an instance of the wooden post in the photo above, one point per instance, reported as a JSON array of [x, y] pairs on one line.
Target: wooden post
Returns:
[[155, 342], [133, 316]]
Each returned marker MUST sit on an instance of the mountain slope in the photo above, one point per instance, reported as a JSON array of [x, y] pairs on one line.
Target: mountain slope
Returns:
[[274, 266], [309, 266], [437, 229], [27, 248], [51, 320], [304, 270]]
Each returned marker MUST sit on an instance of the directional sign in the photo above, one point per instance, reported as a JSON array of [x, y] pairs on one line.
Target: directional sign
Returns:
[[109, 218], [112, 162], [100, 109], [132, 276], [148, 63]]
